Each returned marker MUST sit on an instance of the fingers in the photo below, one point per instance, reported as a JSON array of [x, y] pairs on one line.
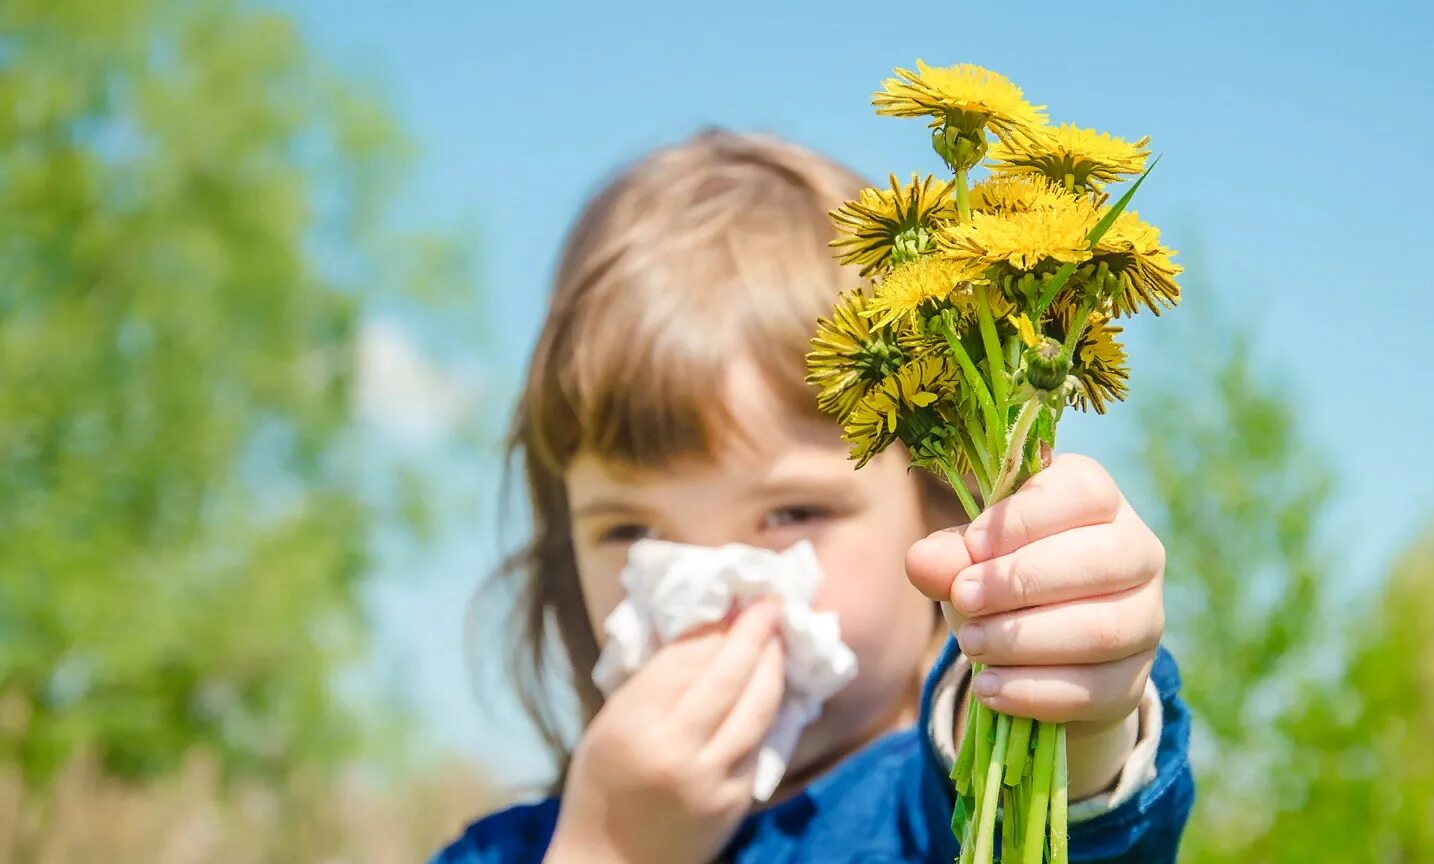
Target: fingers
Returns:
[[933, 562], [1074, 492], [1090, 561], [1063, 694], [756, 708], [715, 689], [1095, 630]]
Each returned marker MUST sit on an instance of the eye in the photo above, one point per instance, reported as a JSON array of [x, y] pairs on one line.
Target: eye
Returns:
[[802, 514], [627, 533]]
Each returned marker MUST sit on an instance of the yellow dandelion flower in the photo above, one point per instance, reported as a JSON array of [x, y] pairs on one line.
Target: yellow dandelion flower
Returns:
[[878, 419], [1146, 273], [964, 96], [849, 356], [922, 381], [1017, 193], [1079, 159], [1020, 241], [867, 431], [928, 279], [1099, 362], [873, 226]]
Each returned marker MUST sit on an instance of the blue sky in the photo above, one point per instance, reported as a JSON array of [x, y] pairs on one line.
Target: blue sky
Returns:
[[1296, 159]]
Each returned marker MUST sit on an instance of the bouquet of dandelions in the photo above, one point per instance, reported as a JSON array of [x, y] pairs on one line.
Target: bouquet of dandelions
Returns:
[[990, 310]]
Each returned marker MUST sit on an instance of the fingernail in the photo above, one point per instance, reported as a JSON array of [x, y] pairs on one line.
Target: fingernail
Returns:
[[970, 596], [972, 639], [978, 540], [987, 684]]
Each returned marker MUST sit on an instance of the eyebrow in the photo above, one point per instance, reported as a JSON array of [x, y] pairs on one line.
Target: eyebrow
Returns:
[[824, 488], [604, 507]]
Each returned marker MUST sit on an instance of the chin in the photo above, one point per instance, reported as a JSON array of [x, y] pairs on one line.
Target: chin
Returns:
[[838, 733]]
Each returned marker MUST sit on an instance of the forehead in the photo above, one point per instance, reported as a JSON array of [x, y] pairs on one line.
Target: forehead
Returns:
[[761, 434]]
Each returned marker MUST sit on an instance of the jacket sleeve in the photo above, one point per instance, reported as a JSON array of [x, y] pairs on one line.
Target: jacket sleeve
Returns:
[[518, 835], [1142, 822], [1147, 826]]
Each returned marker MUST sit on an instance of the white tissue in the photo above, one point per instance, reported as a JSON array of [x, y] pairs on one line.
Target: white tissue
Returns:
[[673, 588]]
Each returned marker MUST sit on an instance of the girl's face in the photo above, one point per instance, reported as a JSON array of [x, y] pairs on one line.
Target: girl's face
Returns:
[[792, 482]]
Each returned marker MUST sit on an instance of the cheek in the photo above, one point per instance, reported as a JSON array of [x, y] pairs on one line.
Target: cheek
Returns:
[[883, 618], [601, 583]]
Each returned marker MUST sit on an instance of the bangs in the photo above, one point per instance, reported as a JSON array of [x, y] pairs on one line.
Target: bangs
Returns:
[[734, 264]]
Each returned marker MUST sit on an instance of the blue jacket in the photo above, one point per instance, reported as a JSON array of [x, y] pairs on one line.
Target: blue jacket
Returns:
[[891, 802]]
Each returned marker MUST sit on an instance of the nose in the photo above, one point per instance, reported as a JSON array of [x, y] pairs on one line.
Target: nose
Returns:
[[707, 527]]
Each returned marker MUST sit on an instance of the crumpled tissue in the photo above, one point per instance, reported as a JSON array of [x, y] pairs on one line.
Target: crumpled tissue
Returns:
[[673, 588]]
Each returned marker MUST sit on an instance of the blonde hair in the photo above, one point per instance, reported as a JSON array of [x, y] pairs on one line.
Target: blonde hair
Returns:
[[714, 248]]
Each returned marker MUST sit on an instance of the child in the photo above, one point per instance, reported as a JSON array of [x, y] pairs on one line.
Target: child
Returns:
[[666, 399]]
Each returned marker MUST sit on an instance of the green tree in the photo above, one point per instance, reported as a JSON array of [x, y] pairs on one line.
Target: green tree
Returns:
[[1361, 758], [1238, 497], [192, 216]]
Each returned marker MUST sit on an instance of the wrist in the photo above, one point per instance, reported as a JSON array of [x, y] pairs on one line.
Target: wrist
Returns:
[[1098, 751]]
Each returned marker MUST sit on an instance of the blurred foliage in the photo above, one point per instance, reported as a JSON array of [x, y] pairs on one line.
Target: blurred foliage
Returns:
[[193, 213], [1313, 716], [1362, 760], [192, 816], [1238, 499]]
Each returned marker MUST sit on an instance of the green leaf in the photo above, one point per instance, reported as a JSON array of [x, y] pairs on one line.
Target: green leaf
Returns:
[[1058, 281]]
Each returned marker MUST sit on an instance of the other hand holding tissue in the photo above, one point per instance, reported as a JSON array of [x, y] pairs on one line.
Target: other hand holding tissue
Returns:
[[673, 588]]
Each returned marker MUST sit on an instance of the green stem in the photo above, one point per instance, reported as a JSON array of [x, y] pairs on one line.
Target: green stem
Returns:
[[1020, 796], [994, 356], [995, 428], [958, 483], [1078, 326], [979, 456], [963, 194], [961, 770], [983, 746], [967, 846], [1011, 462], [981, 762], [990, 792], [1060, 854], [1018, 749], [1010, 826], [1042, 769]]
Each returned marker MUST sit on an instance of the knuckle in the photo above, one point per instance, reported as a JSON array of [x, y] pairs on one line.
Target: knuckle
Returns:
[[1081, 698], [664, 770], [1095, 486], [1022, 580], [1158, 555], [1106, 544], [1018, 524], [1157, 628], [704, 803], [1107, 633], [1101, 494]]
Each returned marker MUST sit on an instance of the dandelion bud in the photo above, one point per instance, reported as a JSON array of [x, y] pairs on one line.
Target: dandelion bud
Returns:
[[1029, 288], [1047, 364], [941, 146], [910, 245], [960, 149]]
